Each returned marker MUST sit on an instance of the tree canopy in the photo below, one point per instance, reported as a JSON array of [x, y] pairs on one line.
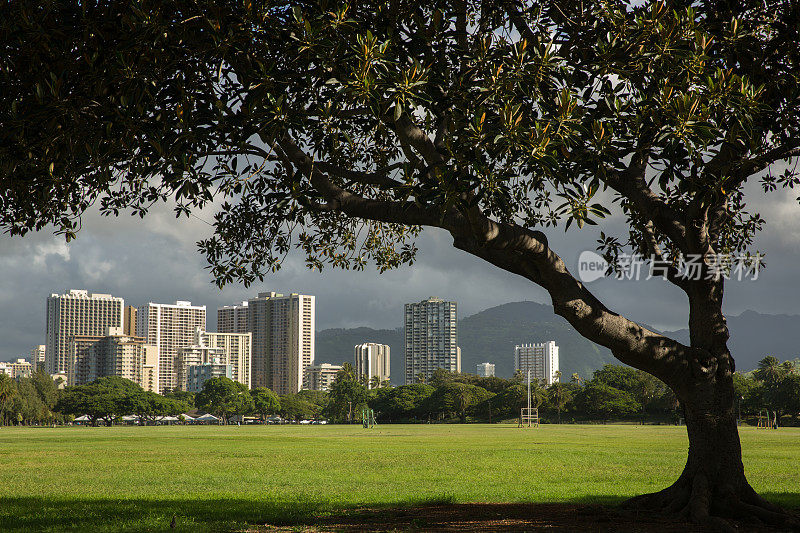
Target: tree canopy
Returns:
[[341, 129], [224, 397]]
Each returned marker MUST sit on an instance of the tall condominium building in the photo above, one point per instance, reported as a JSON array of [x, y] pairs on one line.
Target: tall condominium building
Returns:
[[283, 337], [320, 377], [372, 360], [233, 318], [77, 313], [540, 358], [38, 357], [114, 354], [233, 349], [485, 370], [129, 321], [431, 335], [170, 327]]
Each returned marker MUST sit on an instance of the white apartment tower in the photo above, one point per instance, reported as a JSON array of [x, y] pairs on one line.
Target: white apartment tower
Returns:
[[540, 358], [233, 318], [191, 356], [38, 357], [431, 339], [170, 327], [282, 329], [372, 360], [485, 370], [77, 312]]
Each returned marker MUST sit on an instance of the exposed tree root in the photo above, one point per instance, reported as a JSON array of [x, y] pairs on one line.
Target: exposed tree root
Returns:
[[720, 509]]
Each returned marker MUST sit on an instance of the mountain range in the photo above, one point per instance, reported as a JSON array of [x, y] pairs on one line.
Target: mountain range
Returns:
[[491, 335]]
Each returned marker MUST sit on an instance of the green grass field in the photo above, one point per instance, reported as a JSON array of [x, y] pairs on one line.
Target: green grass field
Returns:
[[227, 478]]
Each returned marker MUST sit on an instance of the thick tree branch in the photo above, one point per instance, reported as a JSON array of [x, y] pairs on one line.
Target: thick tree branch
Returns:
[[527, 254], [339, 199], [412, 135], [379, 177], [653, 248]]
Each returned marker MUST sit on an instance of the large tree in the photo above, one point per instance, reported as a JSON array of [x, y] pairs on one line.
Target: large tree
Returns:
[[223, 397], [344, 128]]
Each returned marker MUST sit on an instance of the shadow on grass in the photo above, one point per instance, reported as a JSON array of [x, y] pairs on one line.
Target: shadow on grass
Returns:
[[212, 514], [442, 513]]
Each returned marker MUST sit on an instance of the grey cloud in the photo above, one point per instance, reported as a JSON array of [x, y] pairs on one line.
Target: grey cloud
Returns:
[[155, 259]]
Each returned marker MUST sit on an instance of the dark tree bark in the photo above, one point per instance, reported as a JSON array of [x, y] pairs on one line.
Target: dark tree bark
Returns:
[[713, 485]]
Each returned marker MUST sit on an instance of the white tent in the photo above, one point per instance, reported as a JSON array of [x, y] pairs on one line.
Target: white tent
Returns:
[[84, 418], [186, 417], [130, 418], [207, 418]]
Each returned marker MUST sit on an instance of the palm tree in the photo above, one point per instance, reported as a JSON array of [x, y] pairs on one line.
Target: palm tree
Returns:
[[462, 402], [538, 392], [374, 382], [769, 370], [559, 396]]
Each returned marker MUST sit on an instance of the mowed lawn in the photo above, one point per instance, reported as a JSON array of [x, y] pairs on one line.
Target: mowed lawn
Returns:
[[229, 478]]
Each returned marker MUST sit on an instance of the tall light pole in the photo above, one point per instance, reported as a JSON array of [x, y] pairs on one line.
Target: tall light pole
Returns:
[[529, 396], [740, 410]]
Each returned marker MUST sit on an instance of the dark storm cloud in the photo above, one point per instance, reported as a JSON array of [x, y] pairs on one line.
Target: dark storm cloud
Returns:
[[155, 259]]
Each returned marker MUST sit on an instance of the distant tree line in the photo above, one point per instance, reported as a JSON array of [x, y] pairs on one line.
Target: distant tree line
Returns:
[[612, 393]]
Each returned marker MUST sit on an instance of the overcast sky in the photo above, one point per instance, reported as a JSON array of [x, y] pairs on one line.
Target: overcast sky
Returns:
[[155, 260]]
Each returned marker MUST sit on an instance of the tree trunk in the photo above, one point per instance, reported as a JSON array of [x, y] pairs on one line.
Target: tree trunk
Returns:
[[713, 485]]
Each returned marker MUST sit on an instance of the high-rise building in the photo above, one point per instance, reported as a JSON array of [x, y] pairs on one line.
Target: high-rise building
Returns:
[[38, 357], [320, 377], [233, 349], [129, 321], [77, 313], [372, 360], [170, 327], [485, 370], [114, 354], [282, 330], [431, 339], [150, 364], [540, 358], [233, 318]]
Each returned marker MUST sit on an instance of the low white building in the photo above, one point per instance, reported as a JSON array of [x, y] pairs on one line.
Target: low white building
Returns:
[[485, 370], [20, 368], [320, 377], [540, 358]]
